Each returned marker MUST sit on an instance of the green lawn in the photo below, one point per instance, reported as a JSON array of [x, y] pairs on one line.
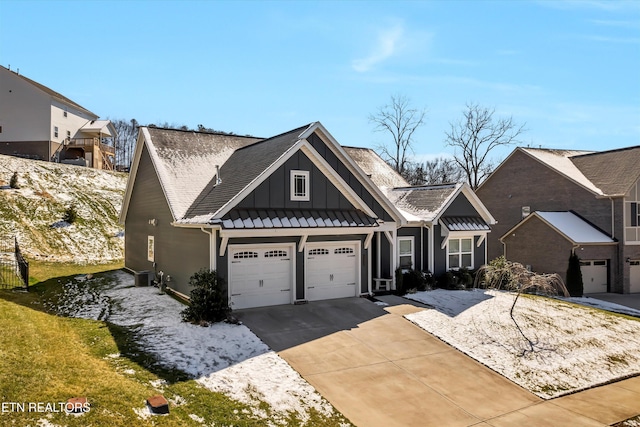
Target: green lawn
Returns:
[[47, 358]]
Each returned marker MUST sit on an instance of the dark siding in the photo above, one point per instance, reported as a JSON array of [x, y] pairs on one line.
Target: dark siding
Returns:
[[179, 252], [348, 177], [439, 255], [478, 253], [275, 191], [300, 288], [461, 207], [418, 258]]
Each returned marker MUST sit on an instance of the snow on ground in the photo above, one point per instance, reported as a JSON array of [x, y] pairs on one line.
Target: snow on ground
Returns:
[[572, 347], [34, 211], [603, 305], [223, 357]]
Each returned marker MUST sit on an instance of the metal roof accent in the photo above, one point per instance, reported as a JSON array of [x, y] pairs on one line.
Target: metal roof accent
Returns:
[[294, 218], [464, 223]]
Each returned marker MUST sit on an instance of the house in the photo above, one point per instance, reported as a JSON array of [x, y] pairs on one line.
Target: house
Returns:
[[39, 123], [287, 219], [444, 227], [549, 203]]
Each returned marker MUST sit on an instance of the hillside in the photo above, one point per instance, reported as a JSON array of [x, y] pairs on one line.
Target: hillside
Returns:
[[34, 212]]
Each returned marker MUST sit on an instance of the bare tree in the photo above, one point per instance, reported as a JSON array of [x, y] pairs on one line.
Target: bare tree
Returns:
[[401, 120], [125, 143], [476, 136], [442, 170]]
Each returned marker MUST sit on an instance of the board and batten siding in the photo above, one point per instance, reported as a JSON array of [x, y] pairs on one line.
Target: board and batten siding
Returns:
[[179, 252], [348, 177], [275, 191]]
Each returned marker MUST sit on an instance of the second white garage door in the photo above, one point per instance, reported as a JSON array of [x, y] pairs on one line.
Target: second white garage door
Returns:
[[332, 270], [260, 275]]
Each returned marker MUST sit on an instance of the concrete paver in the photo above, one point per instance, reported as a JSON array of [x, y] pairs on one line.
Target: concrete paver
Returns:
[[379, 369]]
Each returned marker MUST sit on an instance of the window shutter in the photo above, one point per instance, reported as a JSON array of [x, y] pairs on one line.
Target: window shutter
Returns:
[[634, 214]]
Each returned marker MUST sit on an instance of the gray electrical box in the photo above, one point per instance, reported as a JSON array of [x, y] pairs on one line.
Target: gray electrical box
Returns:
[[141, 278]]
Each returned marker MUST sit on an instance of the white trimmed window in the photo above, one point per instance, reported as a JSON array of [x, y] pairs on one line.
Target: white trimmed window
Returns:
[[460, 253], [55, 131], [632, 215], [406, 257], [300, 186]]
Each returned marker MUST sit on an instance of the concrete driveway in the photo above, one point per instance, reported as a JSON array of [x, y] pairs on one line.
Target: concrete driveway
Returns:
[[628, 300], [379, 369]]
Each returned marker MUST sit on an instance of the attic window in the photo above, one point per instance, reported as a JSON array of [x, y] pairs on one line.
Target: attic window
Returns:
[[300, 186]]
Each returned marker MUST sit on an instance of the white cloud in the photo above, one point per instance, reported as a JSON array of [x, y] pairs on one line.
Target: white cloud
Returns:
[[387, 45]]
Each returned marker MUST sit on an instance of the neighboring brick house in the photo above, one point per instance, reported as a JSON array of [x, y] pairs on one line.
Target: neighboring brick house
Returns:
[[39, 123], [550, 202]]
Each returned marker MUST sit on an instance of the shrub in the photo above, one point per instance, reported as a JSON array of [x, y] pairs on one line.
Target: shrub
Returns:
[[70, 214], [574, 283], [13, 182], [208, 298]]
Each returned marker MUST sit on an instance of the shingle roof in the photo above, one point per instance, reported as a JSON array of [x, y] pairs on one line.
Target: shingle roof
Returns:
[[382, 175], [422, 203], [605, 173], [241, 168], [294, 218], [613, 172], [185, 161]]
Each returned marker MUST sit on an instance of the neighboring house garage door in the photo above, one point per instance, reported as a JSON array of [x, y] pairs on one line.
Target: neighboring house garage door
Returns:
[[260, 275], [332, 270], [634, 276], [594, 276]]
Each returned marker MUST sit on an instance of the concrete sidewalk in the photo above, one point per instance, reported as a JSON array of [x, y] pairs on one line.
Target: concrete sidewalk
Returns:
[[385, 371]]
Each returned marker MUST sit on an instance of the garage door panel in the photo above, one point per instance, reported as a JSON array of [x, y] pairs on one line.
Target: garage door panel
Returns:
[[594, 276], [332, 271], [260, 277]]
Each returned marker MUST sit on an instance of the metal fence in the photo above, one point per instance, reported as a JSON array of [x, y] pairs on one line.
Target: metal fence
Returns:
[[14, 269]]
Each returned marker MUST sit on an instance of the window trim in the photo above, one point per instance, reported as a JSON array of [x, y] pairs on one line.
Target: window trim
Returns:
[[55, 131], [413, 251], [299, 197], [460, 252]]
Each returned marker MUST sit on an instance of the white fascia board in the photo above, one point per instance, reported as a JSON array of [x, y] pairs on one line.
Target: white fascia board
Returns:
[[448, 202], [296, 232], [144, 139], [355, 169], [335, 179]]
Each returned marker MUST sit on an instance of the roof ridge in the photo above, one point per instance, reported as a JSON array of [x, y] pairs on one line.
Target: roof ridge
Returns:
[[220, 133], [615, 150], [275, 136]]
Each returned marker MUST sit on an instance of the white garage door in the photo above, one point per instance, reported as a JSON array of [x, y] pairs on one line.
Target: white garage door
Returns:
[[634, 278], [332, 270], [594, 276], [260, 275]]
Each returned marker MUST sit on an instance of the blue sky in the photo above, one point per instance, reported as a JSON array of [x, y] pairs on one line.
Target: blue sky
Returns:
[[570, 70]]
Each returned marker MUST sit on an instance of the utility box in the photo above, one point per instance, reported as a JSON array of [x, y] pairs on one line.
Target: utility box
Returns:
[[141, 278]]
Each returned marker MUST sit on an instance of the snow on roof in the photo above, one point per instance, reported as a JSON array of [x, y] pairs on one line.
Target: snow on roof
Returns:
[[422, 203], [186, 162], [574, 227], [382, 175], [560, 160]]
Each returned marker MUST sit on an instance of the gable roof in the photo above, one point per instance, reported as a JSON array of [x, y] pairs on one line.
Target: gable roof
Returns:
[[428, 203], [241, 168], [613, 172], [51, 92], [184, 161], [560, 161], [382, 175], [571, 226], [603, 173]]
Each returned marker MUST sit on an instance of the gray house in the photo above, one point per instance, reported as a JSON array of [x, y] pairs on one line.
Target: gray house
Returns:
[[296, 217], [549, 203]]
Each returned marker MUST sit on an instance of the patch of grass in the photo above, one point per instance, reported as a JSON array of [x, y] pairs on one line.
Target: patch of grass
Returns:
[[40, 271], [47, 358]]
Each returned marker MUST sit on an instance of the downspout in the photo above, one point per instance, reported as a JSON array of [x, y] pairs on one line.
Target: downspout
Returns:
[[212, 247], [613, 223]]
